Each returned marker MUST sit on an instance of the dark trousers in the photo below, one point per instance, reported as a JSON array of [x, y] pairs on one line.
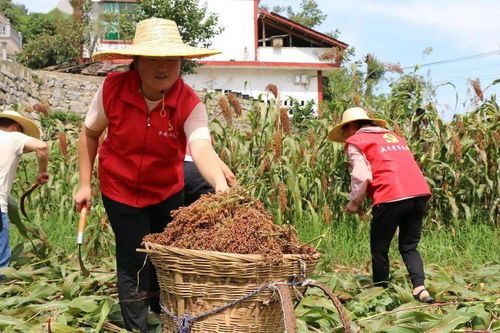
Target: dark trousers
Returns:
[[194, 184], [387, 217], [137, 285]]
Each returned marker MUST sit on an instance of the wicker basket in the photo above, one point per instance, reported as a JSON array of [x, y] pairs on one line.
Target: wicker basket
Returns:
[[195, 282]]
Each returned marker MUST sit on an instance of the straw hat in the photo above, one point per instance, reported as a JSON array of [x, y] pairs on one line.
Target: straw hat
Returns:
[[350, 115], [29, 126], [156, 37]]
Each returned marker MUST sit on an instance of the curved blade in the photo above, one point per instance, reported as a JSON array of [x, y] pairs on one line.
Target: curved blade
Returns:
[[25, 195]]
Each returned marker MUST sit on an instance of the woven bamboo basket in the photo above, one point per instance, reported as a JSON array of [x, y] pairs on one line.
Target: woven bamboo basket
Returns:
[[196, 282]]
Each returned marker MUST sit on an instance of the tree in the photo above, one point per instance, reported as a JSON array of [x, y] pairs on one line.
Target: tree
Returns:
[[196, 26], [13, 12], [53, 48], [310, 14], [35, 25], [88, 27]]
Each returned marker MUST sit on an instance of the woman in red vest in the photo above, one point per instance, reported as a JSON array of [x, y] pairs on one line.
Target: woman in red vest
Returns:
[[150, 115], [384, 168]]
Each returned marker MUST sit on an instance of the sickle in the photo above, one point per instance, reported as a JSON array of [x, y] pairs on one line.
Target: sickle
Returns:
[[26, 194], [79, 238]]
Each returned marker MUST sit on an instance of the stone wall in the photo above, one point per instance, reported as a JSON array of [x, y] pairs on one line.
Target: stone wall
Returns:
[[59, 91], [21, 88]]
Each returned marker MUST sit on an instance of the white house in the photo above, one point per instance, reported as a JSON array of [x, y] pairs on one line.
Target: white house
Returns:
[[11, 41], [258, 48]]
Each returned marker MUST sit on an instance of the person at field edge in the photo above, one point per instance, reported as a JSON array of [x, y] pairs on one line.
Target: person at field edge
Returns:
[[151, 115], [18, 135], [384, 168]]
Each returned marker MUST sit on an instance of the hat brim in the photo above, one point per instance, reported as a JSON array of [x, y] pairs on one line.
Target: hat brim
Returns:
[[181, 50], [29, 126], [337, 134]]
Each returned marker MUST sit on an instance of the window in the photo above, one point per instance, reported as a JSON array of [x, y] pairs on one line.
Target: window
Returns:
[[3, 30], [114, 8]]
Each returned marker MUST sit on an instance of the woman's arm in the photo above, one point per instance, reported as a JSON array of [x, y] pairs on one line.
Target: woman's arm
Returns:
[[207, 162], [87, 150]]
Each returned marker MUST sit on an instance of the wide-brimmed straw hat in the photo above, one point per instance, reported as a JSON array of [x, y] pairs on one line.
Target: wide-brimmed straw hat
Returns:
[[156, 37], [350, 115], [28, 125]]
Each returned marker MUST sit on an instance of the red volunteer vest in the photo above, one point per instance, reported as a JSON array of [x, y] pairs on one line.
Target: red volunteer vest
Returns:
[[141, 159], [395, 173]]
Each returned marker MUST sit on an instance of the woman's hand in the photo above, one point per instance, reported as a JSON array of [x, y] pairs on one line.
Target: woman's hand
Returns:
[[82, 197], [228, 174], [352, 208]]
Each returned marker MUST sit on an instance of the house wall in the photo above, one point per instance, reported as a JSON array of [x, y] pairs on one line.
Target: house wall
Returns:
[[237, 41], [291, 54], [10, 38], [253, 81]]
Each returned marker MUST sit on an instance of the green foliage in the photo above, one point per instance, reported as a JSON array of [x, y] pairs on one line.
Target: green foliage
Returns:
[[53, 47], [90, 29], [13, 12], [301, 113], [196, 25], [35, 25], [310, 15]]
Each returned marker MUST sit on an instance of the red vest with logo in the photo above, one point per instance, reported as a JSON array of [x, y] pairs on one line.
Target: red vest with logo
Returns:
[[395, 172], [141, 159]]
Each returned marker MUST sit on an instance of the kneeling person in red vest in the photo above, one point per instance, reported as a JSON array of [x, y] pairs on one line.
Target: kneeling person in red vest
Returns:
[[384, 168]]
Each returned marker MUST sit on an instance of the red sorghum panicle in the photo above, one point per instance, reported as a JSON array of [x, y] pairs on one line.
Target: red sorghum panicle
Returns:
[[324, 182], [457, 147], [477, 89], [226, 110], [398, 130], [479, 140], [395, 68], [235, 104], [63, 143], [334, 54], [230, 222], [278, 142], [327, 214], [285, 121], [311, 137], [264, 166], [273, 89], [283, 197], [320, 110], [41, 108]]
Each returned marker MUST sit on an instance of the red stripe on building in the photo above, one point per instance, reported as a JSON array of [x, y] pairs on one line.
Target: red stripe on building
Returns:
[[320, 87], [266, 64]]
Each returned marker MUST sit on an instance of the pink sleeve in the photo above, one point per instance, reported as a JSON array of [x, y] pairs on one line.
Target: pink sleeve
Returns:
[[361, 174], [196, 125], [96, 119]]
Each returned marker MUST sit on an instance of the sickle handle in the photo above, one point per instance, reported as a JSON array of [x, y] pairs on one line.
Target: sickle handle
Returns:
[[81, 225]]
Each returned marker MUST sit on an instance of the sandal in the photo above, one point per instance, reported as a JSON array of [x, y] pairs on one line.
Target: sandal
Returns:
[[427, 299]]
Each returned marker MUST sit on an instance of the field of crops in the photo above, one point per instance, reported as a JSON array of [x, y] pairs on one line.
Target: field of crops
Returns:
[[303, 179]]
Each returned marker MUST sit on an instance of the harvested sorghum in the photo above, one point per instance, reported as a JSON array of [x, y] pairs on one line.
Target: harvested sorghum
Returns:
[[230, 222]]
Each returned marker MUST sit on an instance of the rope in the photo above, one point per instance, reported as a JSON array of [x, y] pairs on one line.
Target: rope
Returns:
[[185, 322]]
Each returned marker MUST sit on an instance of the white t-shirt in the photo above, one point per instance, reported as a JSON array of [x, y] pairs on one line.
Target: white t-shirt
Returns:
[[11, 149], [195, 127]]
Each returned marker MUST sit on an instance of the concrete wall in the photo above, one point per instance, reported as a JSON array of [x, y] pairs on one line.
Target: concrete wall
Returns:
[[253, 81]]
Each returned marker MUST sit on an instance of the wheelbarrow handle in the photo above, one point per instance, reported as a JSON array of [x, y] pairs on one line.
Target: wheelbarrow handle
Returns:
[[81, 225]]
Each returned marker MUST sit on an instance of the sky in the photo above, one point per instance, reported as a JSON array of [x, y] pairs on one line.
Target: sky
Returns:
[[467, 32]]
